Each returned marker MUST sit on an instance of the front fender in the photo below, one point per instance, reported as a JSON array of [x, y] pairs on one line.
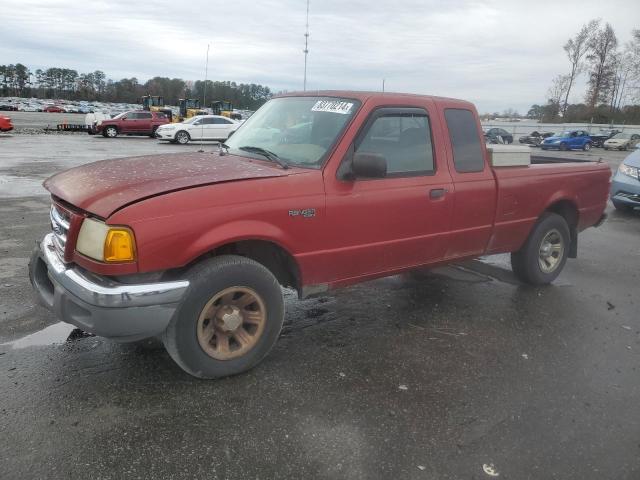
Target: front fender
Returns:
[[237, 231]]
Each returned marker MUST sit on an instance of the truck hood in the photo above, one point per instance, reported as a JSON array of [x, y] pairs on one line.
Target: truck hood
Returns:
[[103, 187]]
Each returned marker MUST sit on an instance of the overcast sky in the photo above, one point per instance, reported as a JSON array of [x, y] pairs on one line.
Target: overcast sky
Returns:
[[497, 54]]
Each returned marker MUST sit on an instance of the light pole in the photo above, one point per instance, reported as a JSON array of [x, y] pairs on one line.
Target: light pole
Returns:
[[306, 49], [206, 73]]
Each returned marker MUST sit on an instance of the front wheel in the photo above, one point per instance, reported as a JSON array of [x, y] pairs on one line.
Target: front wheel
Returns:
[[229, 320], [111, 132], [586, 147], [542, 257], [182, 138]]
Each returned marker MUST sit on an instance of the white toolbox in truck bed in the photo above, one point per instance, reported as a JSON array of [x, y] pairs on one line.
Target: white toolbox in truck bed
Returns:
[[509, 155]]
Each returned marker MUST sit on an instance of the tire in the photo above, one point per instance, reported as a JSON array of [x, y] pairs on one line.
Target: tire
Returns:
[[564, 147], [182, 137], [110, 132], [606, 148], [185, 339], [551, 229], [153, 132], [622, 207], [586, 147]]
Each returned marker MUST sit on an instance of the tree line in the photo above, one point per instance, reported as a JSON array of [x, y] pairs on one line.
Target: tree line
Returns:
[[612, 76], [64, 83]]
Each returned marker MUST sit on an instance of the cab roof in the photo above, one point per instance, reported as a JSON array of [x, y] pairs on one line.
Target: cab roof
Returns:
[[363, 96]]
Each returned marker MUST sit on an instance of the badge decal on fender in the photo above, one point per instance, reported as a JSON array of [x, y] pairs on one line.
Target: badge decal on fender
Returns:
[[307, 213]]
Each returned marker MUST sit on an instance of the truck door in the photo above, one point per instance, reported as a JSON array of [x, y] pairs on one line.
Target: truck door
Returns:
[[402, 220], [474, 201]]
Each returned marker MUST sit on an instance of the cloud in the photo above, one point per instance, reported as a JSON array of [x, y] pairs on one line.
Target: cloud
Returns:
[[497, 54]]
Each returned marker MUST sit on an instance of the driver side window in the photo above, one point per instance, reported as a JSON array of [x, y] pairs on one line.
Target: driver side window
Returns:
[[404, 140]]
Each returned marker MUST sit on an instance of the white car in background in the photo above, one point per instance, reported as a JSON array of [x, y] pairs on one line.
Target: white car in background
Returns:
[[201, 127]]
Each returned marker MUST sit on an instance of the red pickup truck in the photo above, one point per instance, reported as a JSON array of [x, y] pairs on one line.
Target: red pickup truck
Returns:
[[315, 191], [136, 122]]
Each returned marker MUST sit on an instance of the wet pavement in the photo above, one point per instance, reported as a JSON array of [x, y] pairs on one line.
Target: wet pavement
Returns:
[[431, 375]]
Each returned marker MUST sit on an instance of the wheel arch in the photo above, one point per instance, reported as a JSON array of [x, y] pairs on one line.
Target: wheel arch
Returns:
[[568, 210], [269, 253]]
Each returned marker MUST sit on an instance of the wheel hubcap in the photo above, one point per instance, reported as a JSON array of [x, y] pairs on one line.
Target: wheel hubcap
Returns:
[[231, 323], [551, 251]]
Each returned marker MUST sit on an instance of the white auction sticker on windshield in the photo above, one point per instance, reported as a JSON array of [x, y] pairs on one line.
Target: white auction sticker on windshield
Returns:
[[333, 106]]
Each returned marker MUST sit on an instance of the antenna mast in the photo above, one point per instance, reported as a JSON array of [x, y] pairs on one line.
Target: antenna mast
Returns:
[[206, 72], [306, 48]]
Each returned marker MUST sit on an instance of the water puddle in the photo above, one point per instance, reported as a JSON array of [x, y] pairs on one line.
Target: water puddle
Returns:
[[52, 335]]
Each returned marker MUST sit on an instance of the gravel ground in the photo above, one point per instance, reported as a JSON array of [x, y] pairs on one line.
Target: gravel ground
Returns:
[[425, 376]]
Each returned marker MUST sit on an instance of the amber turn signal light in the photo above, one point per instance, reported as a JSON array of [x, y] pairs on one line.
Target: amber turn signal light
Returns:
[[119, 246]]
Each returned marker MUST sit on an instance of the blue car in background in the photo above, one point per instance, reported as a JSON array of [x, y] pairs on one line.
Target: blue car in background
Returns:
[[625, 186], [569, 140]]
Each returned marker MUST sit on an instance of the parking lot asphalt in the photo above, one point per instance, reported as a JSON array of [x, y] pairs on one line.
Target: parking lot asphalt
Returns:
[[444, 374]]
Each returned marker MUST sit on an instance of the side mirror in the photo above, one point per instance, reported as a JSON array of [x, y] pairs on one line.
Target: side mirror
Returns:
[[369, 165]]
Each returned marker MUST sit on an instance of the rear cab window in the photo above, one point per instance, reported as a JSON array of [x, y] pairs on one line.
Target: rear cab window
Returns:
[[465, 140]]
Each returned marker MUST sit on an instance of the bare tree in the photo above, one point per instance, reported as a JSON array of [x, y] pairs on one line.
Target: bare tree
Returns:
[[555, 94], [631, 61], [558, 89], [601, 57], [576, 48]]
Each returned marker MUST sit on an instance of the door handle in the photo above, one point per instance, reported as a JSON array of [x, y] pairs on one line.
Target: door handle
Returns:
[[437, 193]]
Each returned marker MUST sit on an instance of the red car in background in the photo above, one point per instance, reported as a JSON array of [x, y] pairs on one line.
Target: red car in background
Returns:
[[5, 124], [54, 109], [135, 122]]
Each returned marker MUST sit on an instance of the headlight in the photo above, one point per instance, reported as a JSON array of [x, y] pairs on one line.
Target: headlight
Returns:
[[166, 127], [106, 243], [627, 170]]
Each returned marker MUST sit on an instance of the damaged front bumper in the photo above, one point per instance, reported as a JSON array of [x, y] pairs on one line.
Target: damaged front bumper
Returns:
[[99, 305]]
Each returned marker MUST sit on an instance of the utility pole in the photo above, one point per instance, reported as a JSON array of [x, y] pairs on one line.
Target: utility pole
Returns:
[[383, 84], [206, 73], [306, 49]]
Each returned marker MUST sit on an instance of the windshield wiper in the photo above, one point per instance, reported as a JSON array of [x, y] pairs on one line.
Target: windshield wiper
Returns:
[[266, 153], [222, 146]]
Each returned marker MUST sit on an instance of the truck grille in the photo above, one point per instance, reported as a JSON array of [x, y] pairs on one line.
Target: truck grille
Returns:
[[60, 224]]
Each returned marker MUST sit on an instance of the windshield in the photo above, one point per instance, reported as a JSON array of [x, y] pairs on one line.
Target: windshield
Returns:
[[120, 115], [566, 134], [299, 130], [624, 136]]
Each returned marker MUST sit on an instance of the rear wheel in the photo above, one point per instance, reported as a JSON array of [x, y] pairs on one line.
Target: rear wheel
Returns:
[[111, 132], [153, 132], [229, 320], [586, 147], [182, 137], [542, 257]]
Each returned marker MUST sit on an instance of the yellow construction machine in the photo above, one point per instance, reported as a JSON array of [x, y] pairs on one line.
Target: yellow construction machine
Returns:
[[189, 107], [224, 108], [154, 103]]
